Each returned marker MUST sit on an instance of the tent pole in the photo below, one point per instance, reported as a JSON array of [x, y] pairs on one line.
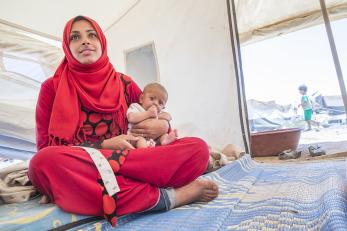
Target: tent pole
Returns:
[[39, 33], [235, 45], [334, 53]]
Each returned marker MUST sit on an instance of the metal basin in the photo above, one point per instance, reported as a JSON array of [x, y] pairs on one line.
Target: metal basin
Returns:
[[271, 143]]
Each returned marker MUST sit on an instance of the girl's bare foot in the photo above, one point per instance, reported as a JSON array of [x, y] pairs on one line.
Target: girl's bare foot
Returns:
[[44, 199], [196, 191]]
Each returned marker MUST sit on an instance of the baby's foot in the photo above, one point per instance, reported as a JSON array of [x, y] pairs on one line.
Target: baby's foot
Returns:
[[170, 137]]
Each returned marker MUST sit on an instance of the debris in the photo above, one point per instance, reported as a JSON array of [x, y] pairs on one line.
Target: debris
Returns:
[[289, 154]]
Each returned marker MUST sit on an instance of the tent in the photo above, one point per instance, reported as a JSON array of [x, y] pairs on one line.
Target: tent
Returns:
[[193, 52], [191, 43], [190, 46]]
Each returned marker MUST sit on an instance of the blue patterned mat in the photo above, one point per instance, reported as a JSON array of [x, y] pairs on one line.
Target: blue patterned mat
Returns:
[[253, 196], [33, 216]]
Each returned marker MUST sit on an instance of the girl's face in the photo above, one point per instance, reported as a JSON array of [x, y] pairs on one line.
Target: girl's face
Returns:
[[84, 45]]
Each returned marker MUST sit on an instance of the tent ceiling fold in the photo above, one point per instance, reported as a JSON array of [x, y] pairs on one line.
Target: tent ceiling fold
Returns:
[[258, 20], [24, 55], [47, 17], [15, 44]]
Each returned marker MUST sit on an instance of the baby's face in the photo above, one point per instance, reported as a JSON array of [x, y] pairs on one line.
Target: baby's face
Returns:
[[154, 97]]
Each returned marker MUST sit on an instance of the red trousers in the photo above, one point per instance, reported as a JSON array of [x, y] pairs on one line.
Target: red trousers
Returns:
[[69, 177]]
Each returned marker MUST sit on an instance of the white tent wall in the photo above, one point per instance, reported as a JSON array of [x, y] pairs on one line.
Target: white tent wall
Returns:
[[195, 60]]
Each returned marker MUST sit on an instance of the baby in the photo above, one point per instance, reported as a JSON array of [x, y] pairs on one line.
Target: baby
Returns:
[[152, 102]]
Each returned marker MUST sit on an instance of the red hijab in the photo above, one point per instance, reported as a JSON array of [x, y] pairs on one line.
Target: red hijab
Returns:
[[96, 86]]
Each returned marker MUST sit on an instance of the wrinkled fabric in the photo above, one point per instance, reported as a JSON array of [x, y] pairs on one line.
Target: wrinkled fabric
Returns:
[[14, 184]]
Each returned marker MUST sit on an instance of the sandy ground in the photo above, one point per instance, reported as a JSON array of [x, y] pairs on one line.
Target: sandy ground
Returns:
[[333, 140]]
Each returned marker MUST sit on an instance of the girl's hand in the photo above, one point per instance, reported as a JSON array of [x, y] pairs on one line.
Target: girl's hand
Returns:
[[150, 128], [119, 142]]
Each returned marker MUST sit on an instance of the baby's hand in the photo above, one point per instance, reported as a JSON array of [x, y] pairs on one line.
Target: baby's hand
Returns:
[[151, 143], [153, 113]]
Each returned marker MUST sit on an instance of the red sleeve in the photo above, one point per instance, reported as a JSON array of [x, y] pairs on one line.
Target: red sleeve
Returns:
[[132, 91], [43, 112]]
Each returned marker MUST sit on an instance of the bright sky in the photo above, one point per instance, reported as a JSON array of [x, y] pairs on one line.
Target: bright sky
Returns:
[[274, 68]]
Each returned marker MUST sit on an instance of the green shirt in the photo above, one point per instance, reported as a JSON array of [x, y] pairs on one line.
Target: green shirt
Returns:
[[306, 102]]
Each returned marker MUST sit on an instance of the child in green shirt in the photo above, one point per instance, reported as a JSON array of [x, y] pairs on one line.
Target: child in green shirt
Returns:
[[306, 105]]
